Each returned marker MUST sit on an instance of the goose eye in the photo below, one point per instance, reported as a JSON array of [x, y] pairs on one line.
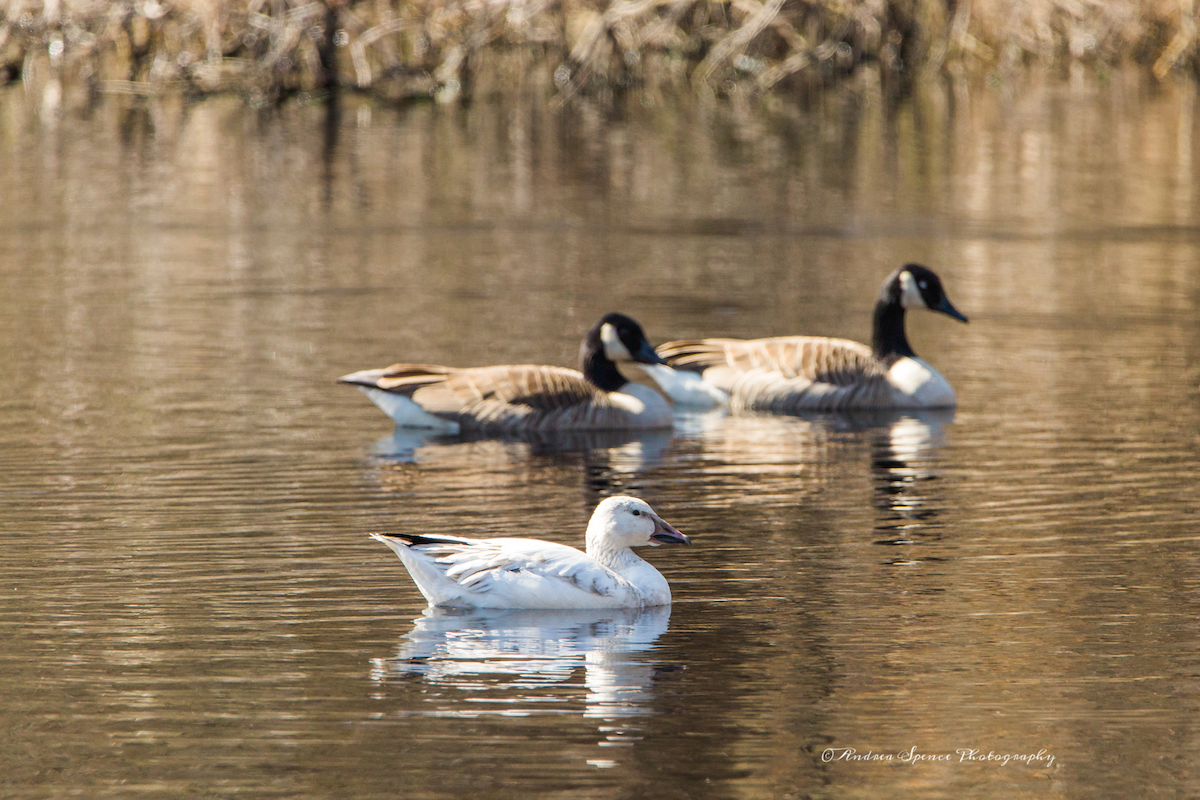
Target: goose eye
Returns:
[[637, 513], [923, 285]]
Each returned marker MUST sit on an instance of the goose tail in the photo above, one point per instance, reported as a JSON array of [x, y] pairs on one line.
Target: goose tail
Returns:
[[399, 378], [695, 355]]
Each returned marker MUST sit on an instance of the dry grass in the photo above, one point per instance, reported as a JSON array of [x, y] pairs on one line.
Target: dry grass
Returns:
[[446, 49]]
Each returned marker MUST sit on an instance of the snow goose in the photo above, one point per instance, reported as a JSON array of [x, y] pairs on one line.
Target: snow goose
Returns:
[[612, 392], [792, 374], [456, 572]]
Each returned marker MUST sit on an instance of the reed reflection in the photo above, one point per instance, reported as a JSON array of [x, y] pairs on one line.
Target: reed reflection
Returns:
[[516, 663]]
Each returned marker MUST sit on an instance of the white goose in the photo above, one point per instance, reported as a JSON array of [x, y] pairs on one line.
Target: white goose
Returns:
[[456, 572], [792, 374], [613, 392]]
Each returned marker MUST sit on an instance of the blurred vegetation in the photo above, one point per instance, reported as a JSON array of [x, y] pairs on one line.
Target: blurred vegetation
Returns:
[[449, 49]]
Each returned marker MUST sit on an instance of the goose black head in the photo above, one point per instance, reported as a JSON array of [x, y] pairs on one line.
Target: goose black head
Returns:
[[613, 339], [911, 286], [915, 286]]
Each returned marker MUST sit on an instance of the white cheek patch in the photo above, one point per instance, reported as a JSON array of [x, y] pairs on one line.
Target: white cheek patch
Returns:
[[910, 295], [614, 348]]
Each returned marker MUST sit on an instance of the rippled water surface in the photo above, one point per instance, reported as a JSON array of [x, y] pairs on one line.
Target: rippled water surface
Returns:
[[195, 609]]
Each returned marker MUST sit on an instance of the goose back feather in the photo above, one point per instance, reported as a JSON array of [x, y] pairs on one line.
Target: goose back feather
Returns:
[[519, 399], [450, 571], [453, 571], [787, 374]]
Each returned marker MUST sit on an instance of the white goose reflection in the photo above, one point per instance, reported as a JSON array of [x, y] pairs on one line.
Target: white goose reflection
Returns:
[[520, 662]]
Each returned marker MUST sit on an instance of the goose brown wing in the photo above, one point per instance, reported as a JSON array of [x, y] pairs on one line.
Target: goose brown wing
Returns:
[[837, 362], [506, 400], [538, 388]]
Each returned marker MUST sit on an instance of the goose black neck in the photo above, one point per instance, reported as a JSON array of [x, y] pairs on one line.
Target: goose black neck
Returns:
[[887, 337], [598, 369]]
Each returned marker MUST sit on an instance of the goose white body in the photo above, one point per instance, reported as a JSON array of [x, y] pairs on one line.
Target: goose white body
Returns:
[[457, 572], [646, 408], [403, 411], [916, 384], [686, 388]]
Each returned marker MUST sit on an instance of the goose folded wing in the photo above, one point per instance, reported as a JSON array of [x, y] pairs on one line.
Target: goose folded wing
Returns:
[[541, 389], [486, 565], [834, 361]]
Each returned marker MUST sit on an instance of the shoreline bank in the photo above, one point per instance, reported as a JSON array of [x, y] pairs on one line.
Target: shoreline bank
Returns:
[[447, 51]]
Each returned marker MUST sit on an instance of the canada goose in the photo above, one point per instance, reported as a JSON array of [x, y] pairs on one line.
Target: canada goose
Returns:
[[612, 392], [790, 374], [456, 572]]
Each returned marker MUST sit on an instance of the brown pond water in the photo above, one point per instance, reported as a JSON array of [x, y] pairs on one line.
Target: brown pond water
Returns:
[[194, 607]]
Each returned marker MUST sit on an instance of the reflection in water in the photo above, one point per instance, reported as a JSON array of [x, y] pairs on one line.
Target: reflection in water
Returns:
[[765, 454], [903, 469], [630, 450], [612, 461], [401, 444], [516, 662], [775, 457]]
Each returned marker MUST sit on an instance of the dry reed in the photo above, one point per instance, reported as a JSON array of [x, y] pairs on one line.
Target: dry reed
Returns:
[[447, 49]]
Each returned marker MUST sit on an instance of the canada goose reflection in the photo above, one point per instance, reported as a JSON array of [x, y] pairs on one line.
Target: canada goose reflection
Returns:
[[768, 458], [623, 451], [520, 663], [904, 470]]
